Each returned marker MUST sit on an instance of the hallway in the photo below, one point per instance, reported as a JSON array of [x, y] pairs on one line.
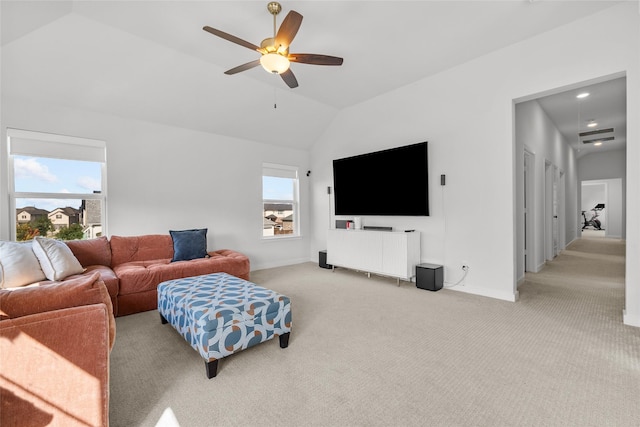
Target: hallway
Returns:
[[588, 276]]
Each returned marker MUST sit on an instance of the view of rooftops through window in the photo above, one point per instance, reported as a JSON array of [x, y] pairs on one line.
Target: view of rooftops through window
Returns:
[[57, 198], [278, 206]]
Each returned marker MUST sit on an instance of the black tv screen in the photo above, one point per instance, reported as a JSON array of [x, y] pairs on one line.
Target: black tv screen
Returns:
[[392, 182]]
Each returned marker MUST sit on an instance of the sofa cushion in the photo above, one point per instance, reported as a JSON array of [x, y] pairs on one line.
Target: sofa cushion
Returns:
[[91, 251], [19, 265], [56, 259], [189, 244], [84, 290], [142, 276], [139, 280], [140, 248]]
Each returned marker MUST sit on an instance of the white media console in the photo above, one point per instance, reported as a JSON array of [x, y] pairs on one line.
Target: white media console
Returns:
[[387, 253]]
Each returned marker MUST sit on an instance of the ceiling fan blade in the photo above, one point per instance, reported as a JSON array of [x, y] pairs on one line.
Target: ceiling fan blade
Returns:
[[230, 38], [243, 67], [289, 78], [288, 29], [314, 59]]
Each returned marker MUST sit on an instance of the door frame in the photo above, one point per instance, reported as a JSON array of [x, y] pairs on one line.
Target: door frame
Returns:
[[529, 252]]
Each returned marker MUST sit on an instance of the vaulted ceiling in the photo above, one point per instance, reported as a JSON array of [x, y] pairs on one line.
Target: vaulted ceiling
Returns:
[[151, 60]]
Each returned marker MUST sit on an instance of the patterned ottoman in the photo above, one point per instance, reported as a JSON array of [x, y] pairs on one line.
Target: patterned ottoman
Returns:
[[219, 314]]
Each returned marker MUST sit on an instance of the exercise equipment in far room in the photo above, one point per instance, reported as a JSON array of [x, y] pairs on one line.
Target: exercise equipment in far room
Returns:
[[593, 222]]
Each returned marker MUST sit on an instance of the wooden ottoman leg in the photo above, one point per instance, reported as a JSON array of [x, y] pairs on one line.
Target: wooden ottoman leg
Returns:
[[163, 320], [284, 340], [212, 368]]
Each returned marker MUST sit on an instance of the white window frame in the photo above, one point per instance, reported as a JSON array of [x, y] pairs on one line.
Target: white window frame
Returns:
[[283, 171], [39, 144]]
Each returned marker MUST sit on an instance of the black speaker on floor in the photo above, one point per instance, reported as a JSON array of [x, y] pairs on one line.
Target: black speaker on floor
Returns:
[[322, 260], [429, 277]]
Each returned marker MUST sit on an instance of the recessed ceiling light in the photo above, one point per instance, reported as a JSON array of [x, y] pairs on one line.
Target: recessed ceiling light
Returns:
[[592, 123], [597, 144], [582, 95]]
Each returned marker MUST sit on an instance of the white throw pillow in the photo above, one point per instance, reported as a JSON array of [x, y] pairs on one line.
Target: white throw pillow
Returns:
[[56, 259], [18, 265]]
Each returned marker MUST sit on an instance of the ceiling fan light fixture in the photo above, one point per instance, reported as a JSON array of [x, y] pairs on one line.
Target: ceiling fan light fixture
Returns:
[[274, 63], [275, 57]]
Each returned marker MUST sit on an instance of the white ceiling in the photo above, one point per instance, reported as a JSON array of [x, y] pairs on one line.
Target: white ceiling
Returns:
[[152, 61], [606, 105]]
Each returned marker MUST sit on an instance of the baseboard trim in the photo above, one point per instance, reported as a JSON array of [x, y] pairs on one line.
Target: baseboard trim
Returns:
[[281, 264], [574, 239], [630, 319], [540, 267], [505, 296]]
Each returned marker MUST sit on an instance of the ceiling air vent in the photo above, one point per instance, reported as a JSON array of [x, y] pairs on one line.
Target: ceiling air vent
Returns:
[[609, 138], [595, 132]]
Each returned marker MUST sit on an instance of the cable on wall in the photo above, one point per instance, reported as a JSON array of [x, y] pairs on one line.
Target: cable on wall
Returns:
[[444, 226], [329, 195], [448, 285], [466, 270]]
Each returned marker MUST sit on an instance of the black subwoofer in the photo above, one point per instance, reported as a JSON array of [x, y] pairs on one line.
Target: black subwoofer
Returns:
[[322, 260], [429, 277]]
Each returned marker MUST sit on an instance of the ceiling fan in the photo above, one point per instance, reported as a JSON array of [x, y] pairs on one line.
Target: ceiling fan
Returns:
[[275, 56]]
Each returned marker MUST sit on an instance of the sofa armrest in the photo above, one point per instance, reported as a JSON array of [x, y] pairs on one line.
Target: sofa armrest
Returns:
[[55, 367], [232, 262]]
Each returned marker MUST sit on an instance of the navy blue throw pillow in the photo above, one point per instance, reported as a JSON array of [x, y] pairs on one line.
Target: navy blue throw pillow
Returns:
[[189, 244]]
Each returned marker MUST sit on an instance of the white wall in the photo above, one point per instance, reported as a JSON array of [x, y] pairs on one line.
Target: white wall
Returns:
[[608, 165], [466, 114], [162, 177], [536, 133]]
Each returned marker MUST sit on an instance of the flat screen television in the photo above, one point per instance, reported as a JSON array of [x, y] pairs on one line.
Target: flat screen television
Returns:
[[393, 182]]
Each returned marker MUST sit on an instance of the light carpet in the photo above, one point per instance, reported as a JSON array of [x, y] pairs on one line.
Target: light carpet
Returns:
[[364, 351]]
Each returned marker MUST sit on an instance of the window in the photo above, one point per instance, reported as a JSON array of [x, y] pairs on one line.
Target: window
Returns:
[[280, 209], [57, 185]]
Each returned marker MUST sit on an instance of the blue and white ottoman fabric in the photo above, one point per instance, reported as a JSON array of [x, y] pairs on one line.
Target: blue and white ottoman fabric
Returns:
[[219, 314]]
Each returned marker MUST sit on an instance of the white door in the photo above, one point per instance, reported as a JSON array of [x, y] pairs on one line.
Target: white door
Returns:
[[548, 210], [554, 220], [562, 212]]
